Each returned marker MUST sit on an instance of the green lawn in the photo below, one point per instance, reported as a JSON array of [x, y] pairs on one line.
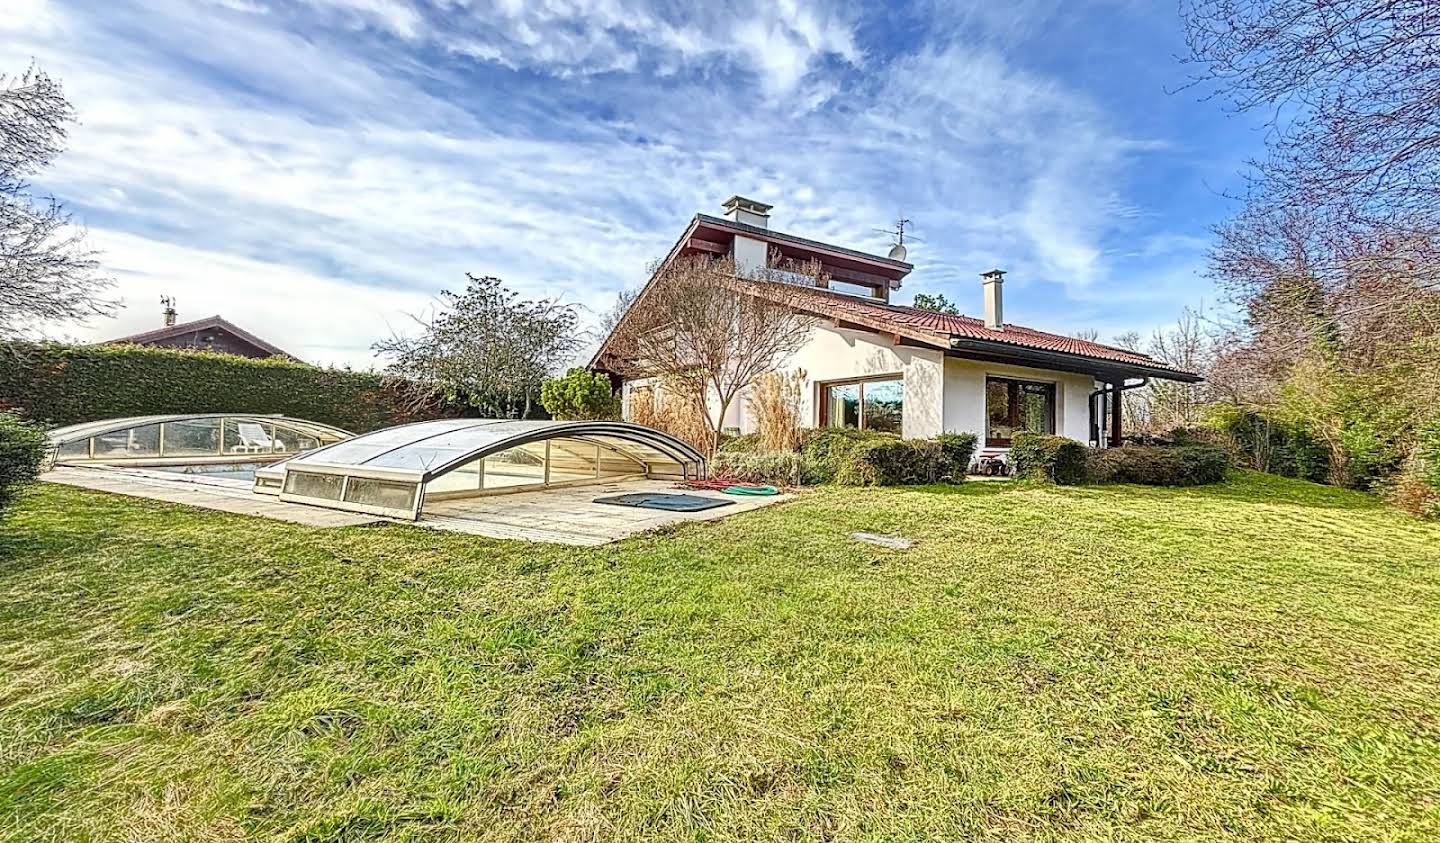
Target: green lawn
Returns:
[[1257, 660]]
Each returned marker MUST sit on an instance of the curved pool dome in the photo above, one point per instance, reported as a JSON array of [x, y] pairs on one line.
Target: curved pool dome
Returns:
[[189, 438], [395, 471]]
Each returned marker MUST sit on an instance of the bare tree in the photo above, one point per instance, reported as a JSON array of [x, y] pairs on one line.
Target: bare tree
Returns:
[[611, 318], [711, 332], [1186, 346], [1352, 91], [487, 347], [46, 272]]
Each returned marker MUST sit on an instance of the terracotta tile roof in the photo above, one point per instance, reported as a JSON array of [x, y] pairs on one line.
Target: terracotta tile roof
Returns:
[[936, 329]]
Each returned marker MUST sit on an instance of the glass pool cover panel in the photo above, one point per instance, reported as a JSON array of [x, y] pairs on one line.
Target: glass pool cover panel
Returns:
[[188, 438], [461, 457]]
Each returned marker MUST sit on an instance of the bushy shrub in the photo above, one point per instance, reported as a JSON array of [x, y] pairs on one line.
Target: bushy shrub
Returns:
[[22, 447], [1183, 465], [60, 385], [1264, 444], [883, 462], [952, 460], [1036, 456], [776, 468], [581, 395], [1427, 451], [748, 443], [825, 448]]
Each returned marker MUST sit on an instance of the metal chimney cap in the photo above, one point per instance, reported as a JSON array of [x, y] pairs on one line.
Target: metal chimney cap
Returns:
[[996, 274], [744, 204]]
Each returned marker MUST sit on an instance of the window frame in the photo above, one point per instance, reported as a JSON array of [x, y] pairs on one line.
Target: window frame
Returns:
[[823, 390], [1012, 398]]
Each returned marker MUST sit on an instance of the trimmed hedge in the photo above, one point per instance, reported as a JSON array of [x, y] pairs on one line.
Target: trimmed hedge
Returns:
[[59, 385], [1183, 465], [776, 468], [22, 447], [849, 457], [1035, 456]]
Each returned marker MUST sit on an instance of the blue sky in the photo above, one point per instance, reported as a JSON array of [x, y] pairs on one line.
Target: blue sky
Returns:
[[316, 170]]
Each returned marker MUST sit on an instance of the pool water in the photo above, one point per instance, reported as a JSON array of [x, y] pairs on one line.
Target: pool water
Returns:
[[232, 471]]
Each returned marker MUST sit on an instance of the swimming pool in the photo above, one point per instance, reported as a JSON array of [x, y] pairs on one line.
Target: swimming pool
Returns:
[[233, 471]]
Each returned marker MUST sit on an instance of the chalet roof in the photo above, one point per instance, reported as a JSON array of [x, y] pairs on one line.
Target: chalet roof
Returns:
[[208, 323], [963, 336]]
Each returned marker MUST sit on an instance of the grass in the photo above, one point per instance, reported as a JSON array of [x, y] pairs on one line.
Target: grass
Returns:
[[1257, 660]]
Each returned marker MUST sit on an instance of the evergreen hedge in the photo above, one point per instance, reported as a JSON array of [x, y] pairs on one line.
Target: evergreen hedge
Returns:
[[1150, 465], [1037, 456], [60, 384], [22, 447]]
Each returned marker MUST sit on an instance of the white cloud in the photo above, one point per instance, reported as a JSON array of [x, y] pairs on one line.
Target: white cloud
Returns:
[[323, 320], [345, 175], [34, 15]]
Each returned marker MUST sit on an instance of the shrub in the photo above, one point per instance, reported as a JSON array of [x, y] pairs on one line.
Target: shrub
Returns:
[[580, 395], [1264, 444], [22, 448], [888, 461], [777, 468], [1183, 465], [1427, 451], [825, 448], [60, 385], [748, 443], [955, 450], [883, 462], [1036, 456]]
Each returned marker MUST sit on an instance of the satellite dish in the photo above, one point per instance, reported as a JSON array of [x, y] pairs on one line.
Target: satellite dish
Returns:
[[897, 252]]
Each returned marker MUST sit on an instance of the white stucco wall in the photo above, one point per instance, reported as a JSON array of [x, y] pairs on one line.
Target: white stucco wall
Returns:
[[942, 394], [837, 354], [965, 396]]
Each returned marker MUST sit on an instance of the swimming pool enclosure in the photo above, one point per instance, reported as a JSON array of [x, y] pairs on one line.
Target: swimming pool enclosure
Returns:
[[188, 439], [394, 471]]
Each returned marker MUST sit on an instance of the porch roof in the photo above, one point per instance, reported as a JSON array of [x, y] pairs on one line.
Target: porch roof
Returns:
[[966, 336]]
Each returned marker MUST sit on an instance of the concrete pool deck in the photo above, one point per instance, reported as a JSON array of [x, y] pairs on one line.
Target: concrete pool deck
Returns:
[[566, 515]]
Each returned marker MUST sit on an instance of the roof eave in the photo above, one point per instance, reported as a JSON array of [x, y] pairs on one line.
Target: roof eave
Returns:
[[1064, 361]]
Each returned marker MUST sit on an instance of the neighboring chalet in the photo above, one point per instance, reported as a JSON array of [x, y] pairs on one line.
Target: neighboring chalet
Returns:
[[213, 333], [873, 364]]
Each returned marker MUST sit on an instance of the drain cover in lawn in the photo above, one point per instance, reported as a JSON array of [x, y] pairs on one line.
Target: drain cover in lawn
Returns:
[[661, 500]]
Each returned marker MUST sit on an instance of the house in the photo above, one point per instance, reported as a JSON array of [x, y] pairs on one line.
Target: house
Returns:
[[877, 365], [213, 333]]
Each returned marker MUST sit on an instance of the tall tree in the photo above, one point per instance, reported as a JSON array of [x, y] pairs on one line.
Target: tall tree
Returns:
[[936, 302], [711, 333], [487, 346], [47, 274], [1351, 91]]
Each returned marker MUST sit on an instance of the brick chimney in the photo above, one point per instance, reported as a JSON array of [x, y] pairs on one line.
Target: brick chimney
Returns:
[[994, 283], [750, 253], [169, 304]]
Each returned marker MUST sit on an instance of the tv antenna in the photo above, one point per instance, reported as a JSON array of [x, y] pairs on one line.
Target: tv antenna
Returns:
[[898, 251]]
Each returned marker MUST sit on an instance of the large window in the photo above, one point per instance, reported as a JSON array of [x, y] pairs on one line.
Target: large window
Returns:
[[867, 404], [1013, 405]]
